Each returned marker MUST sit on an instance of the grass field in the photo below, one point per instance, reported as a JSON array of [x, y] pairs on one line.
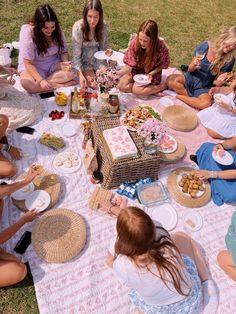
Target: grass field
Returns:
[[183, 24]]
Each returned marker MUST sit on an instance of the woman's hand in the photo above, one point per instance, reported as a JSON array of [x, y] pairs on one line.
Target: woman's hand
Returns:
[[82, 81], [217, 147], [224, 105], [222, 77], [15, 153], [10, 71], [203, 174], [30, 216], [45, 85], [31, 174]]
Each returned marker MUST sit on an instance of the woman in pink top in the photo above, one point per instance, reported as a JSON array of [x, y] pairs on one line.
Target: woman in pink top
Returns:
[[146, 54], [43, 53]]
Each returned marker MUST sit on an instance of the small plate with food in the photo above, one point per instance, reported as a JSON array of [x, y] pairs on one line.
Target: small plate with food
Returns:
[[67, 162], [222, 157], [189, 184], [168, 145], [55, 116], [22, 193], [142, 79], [192, 220], [39, 200]]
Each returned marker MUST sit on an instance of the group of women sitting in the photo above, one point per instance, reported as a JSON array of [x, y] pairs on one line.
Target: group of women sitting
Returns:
[[166, 273]]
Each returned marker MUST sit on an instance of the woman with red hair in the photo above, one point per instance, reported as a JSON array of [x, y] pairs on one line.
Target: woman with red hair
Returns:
[[146, 54]]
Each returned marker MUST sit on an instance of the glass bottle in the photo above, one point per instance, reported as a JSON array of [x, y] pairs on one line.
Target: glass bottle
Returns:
[[113, 104], [75, 101]]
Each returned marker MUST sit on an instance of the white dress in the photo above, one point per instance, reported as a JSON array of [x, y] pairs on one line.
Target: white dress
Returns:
[[220, 120]]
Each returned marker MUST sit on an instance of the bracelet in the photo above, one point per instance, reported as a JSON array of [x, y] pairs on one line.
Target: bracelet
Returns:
[[214, 175]]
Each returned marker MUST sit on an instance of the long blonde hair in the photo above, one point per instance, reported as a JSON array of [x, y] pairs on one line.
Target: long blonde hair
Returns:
[[136, 238], [227, 36]]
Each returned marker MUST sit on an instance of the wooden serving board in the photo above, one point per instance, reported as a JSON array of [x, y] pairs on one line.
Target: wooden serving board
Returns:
[[47, 181]]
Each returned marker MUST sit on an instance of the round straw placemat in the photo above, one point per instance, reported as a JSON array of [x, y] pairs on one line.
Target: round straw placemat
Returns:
[[58, 235], [180, 118], [183, 198], [176, 155], [47, 181]]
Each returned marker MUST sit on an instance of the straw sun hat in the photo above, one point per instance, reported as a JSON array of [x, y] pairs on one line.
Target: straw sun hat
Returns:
[[180, 118], [58, 235]]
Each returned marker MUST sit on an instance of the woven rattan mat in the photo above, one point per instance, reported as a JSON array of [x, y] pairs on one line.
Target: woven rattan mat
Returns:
[[180, 118], [182, 198], [47, 181], [58, 235], [176, 155]]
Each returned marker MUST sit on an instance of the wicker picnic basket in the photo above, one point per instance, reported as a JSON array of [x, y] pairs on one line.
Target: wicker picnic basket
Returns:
[[131, 169]]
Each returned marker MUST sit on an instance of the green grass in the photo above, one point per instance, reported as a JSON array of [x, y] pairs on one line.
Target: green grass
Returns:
[[183, 24]]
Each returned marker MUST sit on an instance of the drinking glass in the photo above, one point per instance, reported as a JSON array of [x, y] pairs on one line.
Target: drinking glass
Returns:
[[200, 56]]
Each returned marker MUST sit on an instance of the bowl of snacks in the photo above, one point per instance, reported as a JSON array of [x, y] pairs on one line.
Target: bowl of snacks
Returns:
[[60, 98]]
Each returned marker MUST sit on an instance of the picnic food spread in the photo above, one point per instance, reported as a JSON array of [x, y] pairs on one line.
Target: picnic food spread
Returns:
[[52, 141], [191, 184], [136, 116]]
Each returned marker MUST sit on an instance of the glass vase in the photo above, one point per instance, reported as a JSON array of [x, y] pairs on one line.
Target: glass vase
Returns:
[[149, 147]]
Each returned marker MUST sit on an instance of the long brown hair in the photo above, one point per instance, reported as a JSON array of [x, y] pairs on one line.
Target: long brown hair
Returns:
[[227, 36], [43, 14], [136, 238], [97, 6], [145, 57]]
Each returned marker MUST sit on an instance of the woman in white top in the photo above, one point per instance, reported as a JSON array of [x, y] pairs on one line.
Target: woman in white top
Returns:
[[89, 35], [149, 262], [220, 119]]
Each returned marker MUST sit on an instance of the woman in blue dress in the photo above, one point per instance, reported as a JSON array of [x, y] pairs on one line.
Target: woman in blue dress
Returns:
[[211, 58], [222, 178]]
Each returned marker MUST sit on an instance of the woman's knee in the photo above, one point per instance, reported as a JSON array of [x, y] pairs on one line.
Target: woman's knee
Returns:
[[213, 134], [4, 122], [222, 258], [10, 170], [14, 273], [173, 79]]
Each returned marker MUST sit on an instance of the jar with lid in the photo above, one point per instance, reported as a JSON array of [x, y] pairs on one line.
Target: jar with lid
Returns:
[[113, 104]]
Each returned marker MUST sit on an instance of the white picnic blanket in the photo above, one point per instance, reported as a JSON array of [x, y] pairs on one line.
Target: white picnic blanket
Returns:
[[85, 284]]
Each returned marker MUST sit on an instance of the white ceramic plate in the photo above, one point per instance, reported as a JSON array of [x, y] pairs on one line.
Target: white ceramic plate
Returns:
[[166, 102], [100, 55], [68, 129], [165, 214], [226, 160], [221, 97], [22, 193], [62, 162], [56, 122], [170, 150], [38, 200], [142, 79], [192, 220]]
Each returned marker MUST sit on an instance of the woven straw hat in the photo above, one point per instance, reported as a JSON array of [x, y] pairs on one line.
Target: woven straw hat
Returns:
[[183, 198], [58, 235], [180, 118]]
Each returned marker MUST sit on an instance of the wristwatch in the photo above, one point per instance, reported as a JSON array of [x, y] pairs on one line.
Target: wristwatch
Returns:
[[6, 147]]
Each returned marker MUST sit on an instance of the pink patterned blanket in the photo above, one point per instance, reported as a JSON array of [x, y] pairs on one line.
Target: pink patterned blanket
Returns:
[[85, 284]]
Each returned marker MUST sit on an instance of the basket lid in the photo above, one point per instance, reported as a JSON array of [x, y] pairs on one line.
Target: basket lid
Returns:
[[58, 235], [180, 118]]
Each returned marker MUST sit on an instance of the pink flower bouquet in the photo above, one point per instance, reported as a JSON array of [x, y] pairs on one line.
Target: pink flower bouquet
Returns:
[[106, 78], [153, 130]]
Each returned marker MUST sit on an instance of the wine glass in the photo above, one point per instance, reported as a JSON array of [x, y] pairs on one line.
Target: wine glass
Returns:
[[200, 56]]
